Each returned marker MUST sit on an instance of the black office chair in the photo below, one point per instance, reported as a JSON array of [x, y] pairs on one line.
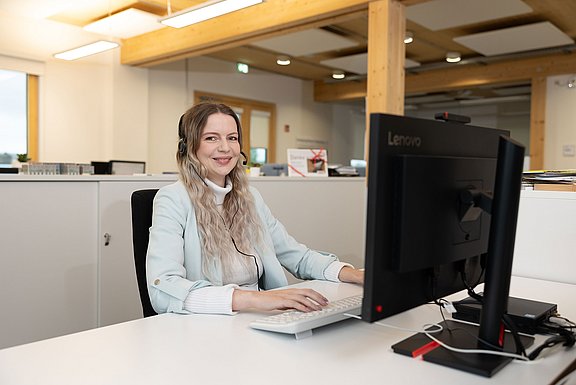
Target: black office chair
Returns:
[[141, 203]]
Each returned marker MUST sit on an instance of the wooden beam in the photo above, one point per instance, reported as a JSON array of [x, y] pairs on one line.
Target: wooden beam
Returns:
[[234, 29], [459, 77], [386, 28], [328, 92], [501, 72], [537, 122]]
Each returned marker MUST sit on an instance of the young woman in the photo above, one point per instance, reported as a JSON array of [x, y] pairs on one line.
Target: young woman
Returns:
[[215, 247]]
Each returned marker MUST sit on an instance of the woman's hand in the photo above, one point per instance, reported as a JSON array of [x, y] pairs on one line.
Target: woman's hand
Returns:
[[304, 300], [348, 274]]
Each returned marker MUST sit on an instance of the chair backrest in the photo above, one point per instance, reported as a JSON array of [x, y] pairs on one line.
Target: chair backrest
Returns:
[[141, 203]]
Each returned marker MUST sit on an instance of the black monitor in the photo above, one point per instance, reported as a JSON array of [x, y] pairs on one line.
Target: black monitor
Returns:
[[429, 234]]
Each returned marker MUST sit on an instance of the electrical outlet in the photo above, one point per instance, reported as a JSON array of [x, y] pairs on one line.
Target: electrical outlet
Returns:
[[569, 150]]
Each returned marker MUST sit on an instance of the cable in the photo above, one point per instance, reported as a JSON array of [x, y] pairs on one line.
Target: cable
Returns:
[[438, 329], [255, 262], [241, 252], [477, 351]]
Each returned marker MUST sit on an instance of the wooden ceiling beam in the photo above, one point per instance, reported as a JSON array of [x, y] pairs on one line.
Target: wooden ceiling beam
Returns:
[[459, 77], [235, 29]]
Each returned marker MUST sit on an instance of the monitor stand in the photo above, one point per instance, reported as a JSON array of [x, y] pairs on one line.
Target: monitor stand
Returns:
[[460, 335]]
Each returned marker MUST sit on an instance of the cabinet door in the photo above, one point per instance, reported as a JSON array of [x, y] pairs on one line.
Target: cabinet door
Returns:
[[119, 299], [48, 259]]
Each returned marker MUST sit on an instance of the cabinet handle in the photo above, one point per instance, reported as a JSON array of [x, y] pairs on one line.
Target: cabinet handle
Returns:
[[107, 239]]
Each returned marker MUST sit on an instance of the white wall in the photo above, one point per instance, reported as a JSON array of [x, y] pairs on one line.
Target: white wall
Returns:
[[560, 122], [171, 90]]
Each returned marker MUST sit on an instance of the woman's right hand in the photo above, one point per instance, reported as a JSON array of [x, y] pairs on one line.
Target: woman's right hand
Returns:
[[304, 300]]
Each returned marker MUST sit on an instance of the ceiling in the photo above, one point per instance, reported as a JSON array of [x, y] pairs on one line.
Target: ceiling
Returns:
[[483, 31]]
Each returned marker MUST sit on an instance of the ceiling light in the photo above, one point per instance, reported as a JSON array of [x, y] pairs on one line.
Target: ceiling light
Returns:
[[567, 83], [338, 75], [453, 57], [408, 37], [125, 24], [86, 50], [283, 60], [205, 11], [243, 68]]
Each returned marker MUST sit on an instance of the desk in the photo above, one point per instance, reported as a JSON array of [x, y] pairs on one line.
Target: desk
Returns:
[[202, 349]]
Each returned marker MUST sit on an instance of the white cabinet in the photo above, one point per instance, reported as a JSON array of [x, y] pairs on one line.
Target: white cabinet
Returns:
[[546, 236], [48, 259], [119, 299], [57, 275]]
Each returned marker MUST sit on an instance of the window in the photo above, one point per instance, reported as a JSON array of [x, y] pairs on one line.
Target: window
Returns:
[[18, 116]]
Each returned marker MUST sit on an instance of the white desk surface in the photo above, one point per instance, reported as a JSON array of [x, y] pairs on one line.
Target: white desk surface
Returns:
[[205, 349]]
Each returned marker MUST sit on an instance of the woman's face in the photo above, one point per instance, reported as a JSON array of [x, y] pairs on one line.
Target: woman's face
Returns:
[[219, 148]]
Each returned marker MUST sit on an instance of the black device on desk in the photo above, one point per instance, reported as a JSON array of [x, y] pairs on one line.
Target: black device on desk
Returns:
[[527, 315], [429, 233], [275, 169], [119, 167]]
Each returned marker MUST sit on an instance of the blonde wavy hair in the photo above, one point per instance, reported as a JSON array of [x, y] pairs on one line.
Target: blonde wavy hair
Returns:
[[239, 221]]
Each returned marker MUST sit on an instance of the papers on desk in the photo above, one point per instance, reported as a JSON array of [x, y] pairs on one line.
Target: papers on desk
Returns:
[[557, 176], [558, 180]]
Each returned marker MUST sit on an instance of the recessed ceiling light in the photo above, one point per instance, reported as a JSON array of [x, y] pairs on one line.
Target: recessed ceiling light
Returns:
[[283, 60], [408, 37], [242, 68], [338, 75], [453, 57]]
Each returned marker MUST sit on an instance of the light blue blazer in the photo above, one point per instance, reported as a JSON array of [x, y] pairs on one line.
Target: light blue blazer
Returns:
[[174, 259]]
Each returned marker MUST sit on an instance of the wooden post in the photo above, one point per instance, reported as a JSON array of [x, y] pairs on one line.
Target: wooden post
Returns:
[[537, 123], [385, 83]]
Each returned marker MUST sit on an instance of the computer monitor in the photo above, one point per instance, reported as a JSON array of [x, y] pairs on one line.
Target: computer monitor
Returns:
[[258, 155], [431, 185]]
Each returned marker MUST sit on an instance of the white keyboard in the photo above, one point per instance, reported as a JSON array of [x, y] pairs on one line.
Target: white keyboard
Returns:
[[301, 324]]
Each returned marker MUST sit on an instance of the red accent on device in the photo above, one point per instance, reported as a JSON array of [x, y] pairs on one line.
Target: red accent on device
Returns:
[[501, 336], [425, 349]]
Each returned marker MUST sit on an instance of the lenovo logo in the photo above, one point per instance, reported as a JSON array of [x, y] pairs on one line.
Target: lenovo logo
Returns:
[[403, 140]]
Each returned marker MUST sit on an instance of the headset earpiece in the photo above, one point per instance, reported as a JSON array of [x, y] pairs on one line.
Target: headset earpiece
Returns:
[[182, 137], [181, 127]]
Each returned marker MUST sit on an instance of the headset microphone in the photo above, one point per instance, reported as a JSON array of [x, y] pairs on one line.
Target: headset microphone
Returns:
[[245, 161]]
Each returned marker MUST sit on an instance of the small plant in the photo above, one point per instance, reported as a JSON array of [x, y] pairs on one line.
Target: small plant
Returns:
[[22, 158]]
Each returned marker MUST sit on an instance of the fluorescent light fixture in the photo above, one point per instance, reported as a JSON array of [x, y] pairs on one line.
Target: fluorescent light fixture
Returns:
[[205, 11], [409, 37], [283, 60], [338, 75], [243, 68], [86, 50], [125, 24], [453, 57]]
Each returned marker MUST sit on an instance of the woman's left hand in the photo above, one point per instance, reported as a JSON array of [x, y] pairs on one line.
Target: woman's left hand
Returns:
[[349, 274]]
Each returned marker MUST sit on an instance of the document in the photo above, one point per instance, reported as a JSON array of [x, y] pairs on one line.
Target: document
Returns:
[[307, 162]]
